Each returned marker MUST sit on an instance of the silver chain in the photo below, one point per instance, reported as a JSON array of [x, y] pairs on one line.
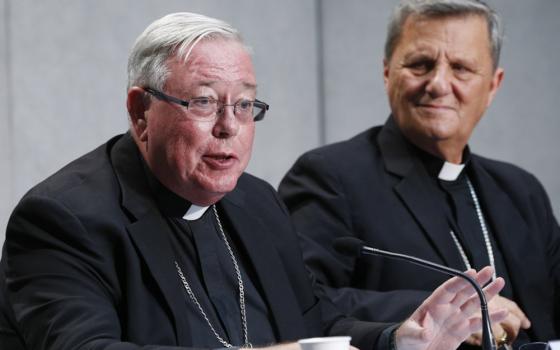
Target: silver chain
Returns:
[[240, 285], [239, 280], [485, 233]]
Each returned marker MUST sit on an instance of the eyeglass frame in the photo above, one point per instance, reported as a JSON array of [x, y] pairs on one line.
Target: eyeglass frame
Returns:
[[185, 103]]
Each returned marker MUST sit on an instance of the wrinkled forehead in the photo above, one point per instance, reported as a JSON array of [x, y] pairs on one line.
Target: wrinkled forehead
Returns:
[[448, 28], [214, 62]]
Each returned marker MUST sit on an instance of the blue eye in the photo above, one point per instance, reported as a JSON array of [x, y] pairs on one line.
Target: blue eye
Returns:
[[244, 105], [202, 102]]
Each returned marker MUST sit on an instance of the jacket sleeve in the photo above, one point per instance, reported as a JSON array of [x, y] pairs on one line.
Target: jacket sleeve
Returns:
[[551, 238], [60, 282], [317, 200], [333, 322]]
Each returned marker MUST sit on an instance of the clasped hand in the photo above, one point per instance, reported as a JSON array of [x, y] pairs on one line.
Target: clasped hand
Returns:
[[450, 314], [507, 329]]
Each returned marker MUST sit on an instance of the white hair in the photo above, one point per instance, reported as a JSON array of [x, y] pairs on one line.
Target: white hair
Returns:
[[174, 34]]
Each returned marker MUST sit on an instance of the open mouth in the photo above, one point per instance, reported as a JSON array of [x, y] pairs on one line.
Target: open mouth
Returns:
[[220, 160], [221, 157]]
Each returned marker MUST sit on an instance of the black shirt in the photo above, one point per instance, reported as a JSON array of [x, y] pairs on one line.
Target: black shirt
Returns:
[[208, 268], [464, 221]]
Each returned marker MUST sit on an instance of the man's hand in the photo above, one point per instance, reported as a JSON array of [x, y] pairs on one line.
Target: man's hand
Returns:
[[510, 327], [449, 315]]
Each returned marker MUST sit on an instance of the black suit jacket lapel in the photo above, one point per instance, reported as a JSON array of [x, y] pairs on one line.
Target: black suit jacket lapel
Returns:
[[514, 239], [265, 259], [150, 236], [148, 229], [416, 191]]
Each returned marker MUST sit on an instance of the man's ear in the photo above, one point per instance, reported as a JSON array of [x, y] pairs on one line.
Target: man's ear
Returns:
[[137, 104], [497, 79], [385, 73]]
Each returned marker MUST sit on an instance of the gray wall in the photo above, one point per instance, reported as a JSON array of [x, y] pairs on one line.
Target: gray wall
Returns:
[[63, 63]]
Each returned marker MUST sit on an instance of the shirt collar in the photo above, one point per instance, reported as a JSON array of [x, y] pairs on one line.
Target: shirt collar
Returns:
[[443, 170], [195, 212], [168, 202], [450, 171]]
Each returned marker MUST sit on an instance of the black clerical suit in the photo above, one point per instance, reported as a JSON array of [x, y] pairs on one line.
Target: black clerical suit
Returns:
[[89, 262], [375, 187]]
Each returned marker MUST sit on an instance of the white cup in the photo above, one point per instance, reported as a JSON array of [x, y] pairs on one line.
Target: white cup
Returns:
[[325, 343]]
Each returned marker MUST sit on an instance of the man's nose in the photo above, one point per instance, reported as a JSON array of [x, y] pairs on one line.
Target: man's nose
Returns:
[[439, 81], [227, 124]]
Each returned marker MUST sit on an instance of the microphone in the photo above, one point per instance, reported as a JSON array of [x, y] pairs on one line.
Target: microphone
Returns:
[[354, 247]]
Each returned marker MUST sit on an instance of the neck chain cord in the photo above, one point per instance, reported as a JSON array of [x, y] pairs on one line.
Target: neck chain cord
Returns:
[[485, 233], [240, 286]]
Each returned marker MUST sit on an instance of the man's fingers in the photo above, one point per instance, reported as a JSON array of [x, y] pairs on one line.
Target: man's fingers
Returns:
[[448, 291], [498, 316], [511, 325], [457, 290], [494, 288], [498, 331], [481, 278], [524, 321], [484, 275], [474, 339], [495, 317], [516, 318], [462, 289], [472, 305]]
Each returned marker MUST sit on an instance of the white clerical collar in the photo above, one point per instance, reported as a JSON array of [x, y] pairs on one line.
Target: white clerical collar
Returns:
[[194, 212], [450, 171]]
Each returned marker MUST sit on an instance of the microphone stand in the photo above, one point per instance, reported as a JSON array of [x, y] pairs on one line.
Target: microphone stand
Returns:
[[487, 336]]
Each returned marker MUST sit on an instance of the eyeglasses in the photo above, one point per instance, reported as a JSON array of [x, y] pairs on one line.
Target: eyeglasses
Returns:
[[207, 108]]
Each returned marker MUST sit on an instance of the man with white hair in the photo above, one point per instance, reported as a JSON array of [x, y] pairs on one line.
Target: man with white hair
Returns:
[[159, 240], [412, 186]]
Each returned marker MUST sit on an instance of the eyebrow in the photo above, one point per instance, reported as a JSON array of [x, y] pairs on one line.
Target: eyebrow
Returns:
[[212, 82], [421, 54], [250, 86]]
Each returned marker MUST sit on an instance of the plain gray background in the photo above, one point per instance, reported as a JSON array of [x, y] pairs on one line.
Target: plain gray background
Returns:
[[318, 63]]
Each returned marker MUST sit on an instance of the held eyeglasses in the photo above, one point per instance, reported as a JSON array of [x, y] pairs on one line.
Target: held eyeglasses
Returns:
[[208, 109]]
